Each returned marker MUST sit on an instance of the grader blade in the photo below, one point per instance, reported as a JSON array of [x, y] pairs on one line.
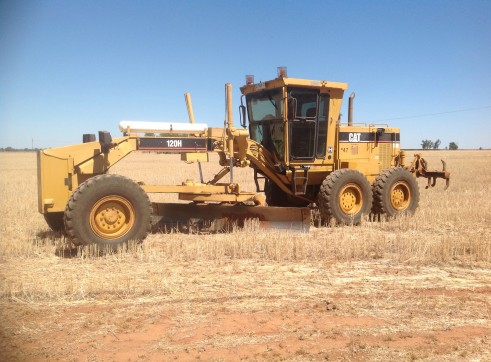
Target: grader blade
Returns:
[[213, 217]]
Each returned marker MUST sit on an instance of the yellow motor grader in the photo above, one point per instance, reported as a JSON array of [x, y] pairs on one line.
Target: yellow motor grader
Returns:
[[303, 157]]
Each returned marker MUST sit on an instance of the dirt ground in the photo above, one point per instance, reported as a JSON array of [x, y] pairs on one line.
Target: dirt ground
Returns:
[[247, 310]]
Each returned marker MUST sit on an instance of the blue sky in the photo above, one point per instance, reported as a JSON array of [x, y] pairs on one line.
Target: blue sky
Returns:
[[74, 67]]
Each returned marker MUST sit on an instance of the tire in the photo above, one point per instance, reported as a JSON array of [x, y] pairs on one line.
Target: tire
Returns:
[[344, 196], [395, 192], [55, 221], [277, 197], [274, 195], [108, 210]]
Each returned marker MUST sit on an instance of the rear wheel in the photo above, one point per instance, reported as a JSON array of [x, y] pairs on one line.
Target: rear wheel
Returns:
[[108, 210], [344, 196], [395, 192]]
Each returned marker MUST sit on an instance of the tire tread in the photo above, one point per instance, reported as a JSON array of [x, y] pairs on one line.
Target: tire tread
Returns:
[[383, 182], [85, 188]]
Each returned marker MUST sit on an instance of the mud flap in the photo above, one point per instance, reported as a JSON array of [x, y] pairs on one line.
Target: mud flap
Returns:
[[212, 217]]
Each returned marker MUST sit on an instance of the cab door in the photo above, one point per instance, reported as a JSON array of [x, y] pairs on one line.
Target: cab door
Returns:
[[307, 118], [302, 114]]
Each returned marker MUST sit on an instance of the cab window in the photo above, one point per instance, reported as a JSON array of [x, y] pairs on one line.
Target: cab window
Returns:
[[265, 110]]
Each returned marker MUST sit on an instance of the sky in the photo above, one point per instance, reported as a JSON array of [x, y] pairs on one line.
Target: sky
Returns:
[[74, 67]]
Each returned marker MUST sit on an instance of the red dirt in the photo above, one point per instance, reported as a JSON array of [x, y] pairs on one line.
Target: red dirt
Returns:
[[156, 331]]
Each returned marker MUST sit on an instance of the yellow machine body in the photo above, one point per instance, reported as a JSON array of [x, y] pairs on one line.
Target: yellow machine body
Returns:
[[327, 144], [61, 170], [294, 141]]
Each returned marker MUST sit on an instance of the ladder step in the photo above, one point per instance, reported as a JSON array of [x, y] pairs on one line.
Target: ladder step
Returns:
[[300, 174]]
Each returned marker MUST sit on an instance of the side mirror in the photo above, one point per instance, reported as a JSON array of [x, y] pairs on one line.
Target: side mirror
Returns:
[[242, 116], [242, 113]]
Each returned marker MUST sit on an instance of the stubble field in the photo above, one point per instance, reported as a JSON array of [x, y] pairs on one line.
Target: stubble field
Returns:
[[408, 289]]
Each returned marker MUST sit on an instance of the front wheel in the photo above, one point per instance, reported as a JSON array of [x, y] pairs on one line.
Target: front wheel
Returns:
[[344, 196], [55, 221], [395, 192], [108, 210], [275, 196]]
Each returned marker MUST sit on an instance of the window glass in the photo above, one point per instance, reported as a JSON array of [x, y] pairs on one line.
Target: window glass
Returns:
[[302, 123], [306, 101], [322, 126], [265, 106], [265, 110]]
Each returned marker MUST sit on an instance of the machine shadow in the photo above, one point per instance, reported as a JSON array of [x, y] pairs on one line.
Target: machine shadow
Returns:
[[63, 247]]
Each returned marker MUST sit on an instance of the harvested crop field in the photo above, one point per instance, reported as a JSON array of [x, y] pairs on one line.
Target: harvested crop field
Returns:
[[414, 288]]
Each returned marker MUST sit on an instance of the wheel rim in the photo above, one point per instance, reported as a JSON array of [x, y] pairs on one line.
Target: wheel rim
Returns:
[[351, 199], [112, 217], [400, 196]]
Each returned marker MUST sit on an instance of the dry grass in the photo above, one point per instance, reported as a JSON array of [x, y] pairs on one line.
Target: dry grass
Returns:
[[450, 226], [412, 288]]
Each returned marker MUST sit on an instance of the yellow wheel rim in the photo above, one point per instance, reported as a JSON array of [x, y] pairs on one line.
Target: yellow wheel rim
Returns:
[[400, 196], [112, 217], [351, 199]]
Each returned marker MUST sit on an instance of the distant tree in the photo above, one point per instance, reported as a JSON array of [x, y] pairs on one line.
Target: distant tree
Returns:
[[149, 134], [453, 146], [436, 144], [427, 144]]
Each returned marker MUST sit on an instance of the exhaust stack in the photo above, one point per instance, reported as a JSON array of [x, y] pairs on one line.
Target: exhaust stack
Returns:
[[350, 109]]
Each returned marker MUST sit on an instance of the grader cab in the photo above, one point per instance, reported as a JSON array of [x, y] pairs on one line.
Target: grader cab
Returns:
[[303, 158]]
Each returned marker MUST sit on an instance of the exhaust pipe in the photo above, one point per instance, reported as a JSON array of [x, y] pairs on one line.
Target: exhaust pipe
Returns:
[[350, 109]]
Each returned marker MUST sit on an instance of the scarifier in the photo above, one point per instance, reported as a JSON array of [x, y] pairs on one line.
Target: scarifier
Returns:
[[303, 158]]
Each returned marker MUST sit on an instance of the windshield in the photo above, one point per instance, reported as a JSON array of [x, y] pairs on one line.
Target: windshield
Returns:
[[265, 106], [265, 111]]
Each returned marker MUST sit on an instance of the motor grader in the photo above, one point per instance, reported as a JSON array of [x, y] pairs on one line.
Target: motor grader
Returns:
[[291, 134]]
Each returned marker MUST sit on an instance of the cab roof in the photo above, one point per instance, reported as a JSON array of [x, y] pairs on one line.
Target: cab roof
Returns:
[[285, 81]]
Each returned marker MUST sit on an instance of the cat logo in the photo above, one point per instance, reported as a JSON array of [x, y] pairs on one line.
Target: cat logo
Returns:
[[354, 137]]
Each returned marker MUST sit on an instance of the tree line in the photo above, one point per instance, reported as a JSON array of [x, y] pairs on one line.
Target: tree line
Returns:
[[435, 145], [12, 149]]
